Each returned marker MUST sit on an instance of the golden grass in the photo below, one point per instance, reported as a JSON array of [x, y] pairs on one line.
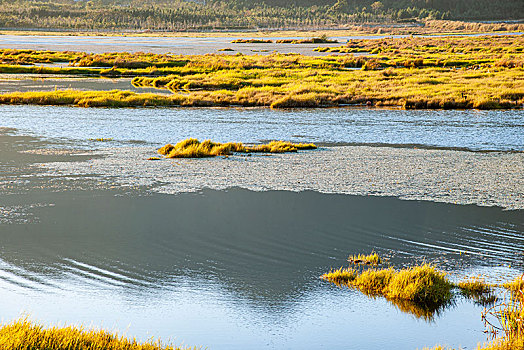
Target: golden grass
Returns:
[[474, 287], [413, 73], [192, 148], [101, 139], [516, 285], [25, 335], [280, 147], [370, 259], [421, 284]]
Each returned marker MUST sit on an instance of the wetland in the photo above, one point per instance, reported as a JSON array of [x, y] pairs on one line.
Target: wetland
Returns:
[[227, 252]]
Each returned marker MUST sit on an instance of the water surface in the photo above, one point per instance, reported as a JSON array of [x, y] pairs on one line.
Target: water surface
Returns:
[[176, 45], [471, 129], [239, 269]]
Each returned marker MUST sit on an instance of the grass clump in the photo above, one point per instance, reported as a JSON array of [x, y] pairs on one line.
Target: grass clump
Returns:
[[370, 259], [193, 148], [102, 139], [251, 41], [25, 335], [420, 284], [516, 285], [340, 276], [281, 147], [474, 287]]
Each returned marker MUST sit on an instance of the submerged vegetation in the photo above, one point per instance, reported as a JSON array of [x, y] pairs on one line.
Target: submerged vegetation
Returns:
[[25, 335], [192, 148], [413, 73]]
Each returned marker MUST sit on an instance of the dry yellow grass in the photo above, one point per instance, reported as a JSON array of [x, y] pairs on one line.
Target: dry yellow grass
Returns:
[[25, 335], [192, 148], [420, 284], [474, 287], [370, 259]]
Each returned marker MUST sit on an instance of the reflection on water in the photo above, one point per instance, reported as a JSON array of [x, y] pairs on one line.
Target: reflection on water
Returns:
[[239, 269], [478, 130]]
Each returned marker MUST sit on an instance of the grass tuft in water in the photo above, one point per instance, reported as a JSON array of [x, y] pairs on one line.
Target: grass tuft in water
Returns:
[[516, 285], [420, 284], [474, 288], [370, 259]]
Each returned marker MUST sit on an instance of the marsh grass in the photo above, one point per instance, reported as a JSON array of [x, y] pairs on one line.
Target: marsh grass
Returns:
[[370, 259], [193, 148], [280, 147], [509, 316], [102, 139], [413, 73], [25, 335], [475, 288], [420, 284], [251, 41], [516, 285]]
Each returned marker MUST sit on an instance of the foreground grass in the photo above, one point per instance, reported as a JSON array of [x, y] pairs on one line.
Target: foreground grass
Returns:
[[192, 148], [25, 335]]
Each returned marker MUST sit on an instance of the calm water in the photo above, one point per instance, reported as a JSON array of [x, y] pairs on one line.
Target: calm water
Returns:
[[239, 269], [477, 130]]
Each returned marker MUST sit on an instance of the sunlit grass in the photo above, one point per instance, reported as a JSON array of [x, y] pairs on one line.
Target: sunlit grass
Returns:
[[412, 73], [369, 259], [193, 148], [474, 287], [516, 285], [25, 335], [421, 284]]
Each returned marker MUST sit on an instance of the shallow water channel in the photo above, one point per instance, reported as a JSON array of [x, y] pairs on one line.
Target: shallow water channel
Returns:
[[177, 45], [238, 269], [471, 129]]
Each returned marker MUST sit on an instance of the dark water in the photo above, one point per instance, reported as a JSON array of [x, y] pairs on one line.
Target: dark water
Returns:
[[471, 129], [239, 269]]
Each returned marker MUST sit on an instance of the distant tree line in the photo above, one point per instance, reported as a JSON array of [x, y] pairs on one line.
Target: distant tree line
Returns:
[[172, 15]]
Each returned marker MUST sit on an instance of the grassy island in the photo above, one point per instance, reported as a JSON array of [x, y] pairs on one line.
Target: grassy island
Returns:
[[192, 148]]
